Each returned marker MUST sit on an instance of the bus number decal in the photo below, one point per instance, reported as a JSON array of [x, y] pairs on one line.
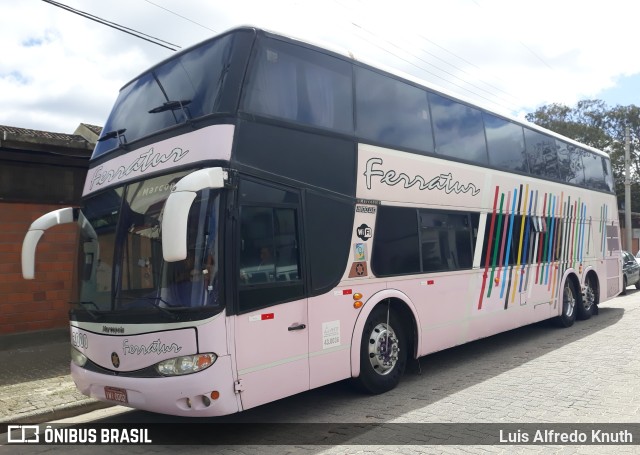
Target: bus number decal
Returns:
[[79, 340], [330, 334]]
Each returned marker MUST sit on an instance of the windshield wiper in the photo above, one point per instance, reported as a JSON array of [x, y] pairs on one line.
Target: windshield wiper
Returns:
[[85, 305], [153, 302], [172, 106], [115, 133]]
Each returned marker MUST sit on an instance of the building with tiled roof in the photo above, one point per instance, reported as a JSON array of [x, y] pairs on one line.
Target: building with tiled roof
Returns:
[[40, 171]]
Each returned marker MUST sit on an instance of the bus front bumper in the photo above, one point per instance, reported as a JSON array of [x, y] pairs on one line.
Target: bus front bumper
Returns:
[[191, 395]]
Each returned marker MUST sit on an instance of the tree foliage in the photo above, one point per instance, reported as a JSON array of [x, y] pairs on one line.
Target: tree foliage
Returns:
[[594, 123]]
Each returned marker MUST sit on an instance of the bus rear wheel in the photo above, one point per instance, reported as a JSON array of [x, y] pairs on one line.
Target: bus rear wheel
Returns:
[[569, 300], [383, 351], [587, 307]]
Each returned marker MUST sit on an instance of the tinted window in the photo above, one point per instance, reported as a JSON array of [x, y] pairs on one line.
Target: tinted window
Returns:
[[395, 247], [188, 86], [269, 258], [446, 241], [298, 84], [541, 154], [570, 163], [392, 112], [608, 174], [505, 142], [458, 130], [328, 244], [594, 171], [256, 192]]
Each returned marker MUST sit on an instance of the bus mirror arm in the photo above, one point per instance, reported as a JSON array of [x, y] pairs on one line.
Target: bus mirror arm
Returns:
[[35, 232], [176, 209]]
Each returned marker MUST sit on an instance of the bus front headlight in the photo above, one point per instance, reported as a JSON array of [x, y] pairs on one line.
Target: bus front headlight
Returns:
[[78, 357], [186, 364]]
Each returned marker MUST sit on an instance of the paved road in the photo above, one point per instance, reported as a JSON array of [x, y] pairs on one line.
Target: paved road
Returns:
[[589, 373]]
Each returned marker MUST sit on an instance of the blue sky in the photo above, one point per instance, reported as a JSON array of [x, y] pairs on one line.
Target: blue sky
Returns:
[[58, 69], [626, 91]]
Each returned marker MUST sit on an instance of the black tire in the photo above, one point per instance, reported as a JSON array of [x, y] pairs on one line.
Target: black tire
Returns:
[[637, 284], [624, 285], [569, 302], [587, 306], [381, 373]]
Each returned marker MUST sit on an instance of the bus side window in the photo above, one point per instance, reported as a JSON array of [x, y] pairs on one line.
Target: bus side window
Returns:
[[269, 257]]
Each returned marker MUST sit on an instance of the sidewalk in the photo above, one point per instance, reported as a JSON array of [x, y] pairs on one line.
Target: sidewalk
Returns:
[[35, 384]]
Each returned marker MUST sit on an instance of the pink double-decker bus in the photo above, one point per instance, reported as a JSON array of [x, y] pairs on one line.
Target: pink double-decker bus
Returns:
[[263, 216]]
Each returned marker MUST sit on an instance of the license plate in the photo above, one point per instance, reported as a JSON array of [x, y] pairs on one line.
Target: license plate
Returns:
[[116, 394]]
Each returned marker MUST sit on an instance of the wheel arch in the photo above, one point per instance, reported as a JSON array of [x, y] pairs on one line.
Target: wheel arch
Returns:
[[407, 312]]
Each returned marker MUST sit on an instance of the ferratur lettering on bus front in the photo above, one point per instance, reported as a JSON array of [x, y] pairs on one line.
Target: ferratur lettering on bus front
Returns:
[[524, 248]]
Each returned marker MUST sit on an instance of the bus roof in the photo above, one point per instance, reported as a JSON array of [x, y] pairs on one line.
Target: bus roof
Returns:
[[348, 55]]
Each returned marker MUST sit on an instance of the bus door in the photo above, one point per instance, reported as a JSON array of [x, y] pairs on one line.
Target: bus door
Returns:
[[271, 326]]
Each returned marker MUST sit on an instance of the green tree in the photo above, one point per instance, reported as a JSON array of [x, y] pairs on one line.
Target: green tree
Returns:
[[594, 123]]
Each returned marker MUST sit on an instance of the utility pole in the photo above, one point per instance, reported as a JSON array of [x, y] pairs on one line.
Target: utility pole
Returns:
[[628, 229]]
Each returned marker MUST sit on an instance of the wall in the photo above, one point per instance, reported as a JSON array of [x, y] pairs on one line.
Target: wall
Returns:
[[42, 303]]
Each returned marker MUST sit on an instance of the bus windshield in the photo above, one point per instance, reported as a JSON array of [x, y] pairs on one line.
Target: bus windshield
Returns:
[[120, 263], [183, 88]]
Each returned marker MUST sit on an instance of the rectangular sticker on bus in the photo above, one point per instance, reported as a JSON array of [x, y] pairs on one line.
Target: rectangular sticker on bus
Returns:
[[330, 334]]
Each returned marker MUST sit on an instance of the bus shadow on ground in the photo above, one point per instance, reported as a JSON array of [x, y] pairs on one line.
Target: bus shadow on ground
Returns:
[[428, 380]]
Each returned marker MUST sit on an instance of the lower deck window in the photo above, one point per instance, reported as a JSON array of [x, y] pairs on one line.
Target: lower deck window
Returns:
[[410, 241]]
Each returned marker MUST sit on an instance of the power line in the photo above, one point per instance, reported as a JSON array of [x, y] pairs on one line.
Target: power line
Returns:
[[448, 81], [523, 45], [119, 27], [181, 16], [422, 68]]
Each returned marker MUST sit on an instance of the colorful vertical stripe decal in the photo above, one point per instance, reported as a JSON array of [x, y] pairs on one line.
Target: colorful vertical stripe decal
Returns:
[[552, 213], [495, 248], [526, 242], [551, 240], [486, 262], [510, 236]]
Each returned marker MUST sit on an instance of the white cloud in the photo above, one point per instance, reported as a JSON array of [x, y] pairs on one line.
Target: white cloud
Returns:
[[58, 69]]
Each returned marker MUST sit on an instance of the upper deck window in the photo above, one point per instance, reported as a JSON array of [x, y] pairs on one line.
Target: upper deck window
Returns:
[[392, 112], [570, 163], [186, 87], [295, 83], [542, 154], [505, 141], [458, 130], [596, 171]]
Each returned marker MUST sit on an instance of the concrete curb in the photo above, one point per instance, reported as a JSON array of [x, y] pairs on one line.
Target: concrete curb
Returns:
[[57, 413]]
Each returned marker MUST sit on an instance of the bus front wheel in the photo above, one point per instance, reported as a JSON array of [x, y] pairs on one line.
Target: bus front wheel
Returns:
[[383, 351]]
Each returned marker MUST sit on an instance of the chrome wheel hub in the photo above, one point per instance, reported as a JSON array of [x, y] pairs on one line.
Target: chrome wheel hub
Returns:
[[383, 349], [569, 301], [589, 297]]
